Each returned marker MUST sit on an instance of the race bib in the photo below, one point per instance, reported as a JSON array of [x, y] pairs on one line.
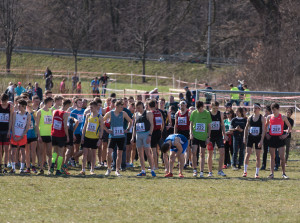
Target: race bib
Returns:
[[200, 127], [80, 118], [4, 117], [158, 120], [140, 127], [118, 131], [215, 125], [254, 131], [276, 129], [48, 119], [92, 127], [20, 125], [57, 125], [182, 121], [31, 126]]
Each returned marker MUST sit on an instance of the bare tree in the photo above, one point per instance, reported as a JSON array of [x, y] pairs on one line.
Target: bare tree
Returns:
[[11, 21]]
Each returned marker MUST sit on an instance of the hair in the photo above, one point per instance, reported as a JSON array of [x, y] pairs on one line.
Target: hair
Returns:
[[48, 92], [290, 110], [230, 85], [47, 99], [113, 95], [245, 85], [22, 102], [119, 102], [173, 108], [132, 104], [215, 103], [77, 99], [163, 99], [58, 97], [131, 98], [180, 95], [268, 108], [138, 103], [125, 98], [4, 97], [113, 100], [152, 104], [275, 105], [165, 147], [17, 98], [29, 102], [35, 97], [67, 102], [98, 100], [199, 104], [108, 99], [241, 111], [93, 103]]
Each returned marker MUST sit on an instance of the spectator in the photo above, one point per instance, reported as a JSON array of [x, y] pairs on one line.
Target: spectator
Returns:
[[19, 89], [10, 91], [78, 88], [62, 87], [29, 90], [95, 87], [75, 80], [48, 73], [247, 96], [38, 91], [188, 96], [208, 95], [154, 94], [172, 102], [104, 81], [49, 83], [235, 98], [181, 97]]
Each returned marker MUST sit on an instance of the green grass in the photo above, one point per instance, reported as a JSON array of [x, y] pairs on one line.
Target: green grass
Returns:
[[132, 199]]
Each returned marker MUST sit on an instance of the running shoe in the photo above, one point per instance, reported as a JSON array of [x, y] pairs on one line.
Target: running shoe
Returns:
[[194, 173], [64, 171], [9, 165], [108, 172], [34, 170], [201, 174], [131, 165], [141, 174], [153, 173], [169, 175], [271, 176], [221, 173], [276, 168], [82, 173], [117, 173], [284, 176], [92, 173], [58, 173], [245, 174], [185, 166], [181, 175], [41, 172], [209, 174], [256, 176], [22, 171], [49, 172], [5, 170], [52, 169], [225, 167], [12, 171], [235, 168], [27, 171]]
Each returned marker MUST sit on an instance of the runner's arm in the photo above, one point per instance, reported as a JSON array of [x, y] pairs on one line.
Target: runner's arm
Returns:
[[129, 120], [76, 123], [84, 129], [246, 129], [37, 123], [65, 119], [27, 124], [150, 118], [176, 122], [101, 122], [286, 121]]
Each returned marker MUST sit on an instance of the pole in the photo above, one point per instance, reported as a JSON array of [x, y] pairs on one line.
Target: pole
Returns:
[[295, 113], [179, 83], [131, 80], [115, 82], [208, 62], [196, 83]]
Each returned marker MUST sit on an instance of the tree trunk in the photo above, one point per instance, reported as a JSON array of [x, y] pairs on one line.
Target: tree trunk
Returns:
[[144, 57], [166, 38], [75, 60], [8, 58]]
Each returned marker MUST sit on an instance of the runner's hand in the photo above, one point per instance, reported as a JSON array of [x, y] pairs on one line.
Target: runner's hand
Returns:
[[226, 137], [268, 136], [260, 144], [8, 134], [99, 142]]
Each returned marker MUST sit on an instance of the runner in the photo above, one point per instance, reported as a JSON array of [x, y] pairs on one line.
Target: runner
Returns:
[[43, 129], [60, 135], [200, 130], [143, 128], [91, 136], [268, 112], [158, 126], [276, 137], [130, 147], [6, 114], [20, 123], [256, 124], [31, 136], [116, 135], [229, 143], [287, 142], [216, 137], [58, 100], [178, 144]]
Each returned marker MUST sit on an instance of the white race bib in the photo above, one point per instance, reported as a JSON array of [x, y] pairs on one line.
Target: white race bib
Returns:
[[158, 120], [92, 127], [254, 131], [200, 127], [118, 131], [276, 129], [4, 117], [140, 127], [57, 124], [48, 119], [80, 118], [182, 121], [20, 125], [215, 125]]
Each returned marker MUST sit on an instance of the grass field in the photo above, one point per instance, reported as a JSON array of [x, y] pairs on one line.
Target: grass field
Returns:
[[132, 199]]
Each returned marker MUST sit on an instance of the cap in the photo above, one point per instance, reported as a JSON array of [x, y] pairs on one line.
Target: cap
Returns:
[[228, 104], [186, 87], [19, 83], [182, 103], [257, 105]]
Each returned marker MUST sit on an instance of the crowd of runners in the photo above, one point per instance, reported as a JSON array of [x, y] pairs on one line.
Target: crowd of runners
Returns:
[[115, 133]]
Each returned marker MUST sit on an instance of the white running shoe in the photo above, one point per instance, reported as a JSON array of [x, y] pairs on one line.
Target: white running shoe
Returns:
[[108, 171], [195, 173], [209, 174], [285, 176], [118, 174], [221, 173], [201, 175]]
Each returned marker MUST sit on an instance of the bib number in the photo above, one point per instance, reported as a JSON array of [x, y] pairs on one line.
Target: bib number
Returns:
[[215, 125], [200, 127], [80, 118], [276, 129], [118, 131], [182, 121], [140, 127], [48, 119], [92, 127], [254, 131], [158, 120], [57, 125], [4, 117], [20, 125]]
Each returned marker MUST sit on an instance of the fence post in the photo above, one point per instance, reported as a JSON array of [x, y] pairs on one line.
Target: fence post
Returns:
[[196, 83], [179, 83], [131, 80], [173, 81], [295, 113]]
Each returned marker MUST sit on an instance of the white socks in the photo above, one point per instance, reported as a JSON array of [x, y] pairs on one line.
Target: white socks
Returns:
[[257, 170], [245, 168], [13, 165], [22, 166]]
